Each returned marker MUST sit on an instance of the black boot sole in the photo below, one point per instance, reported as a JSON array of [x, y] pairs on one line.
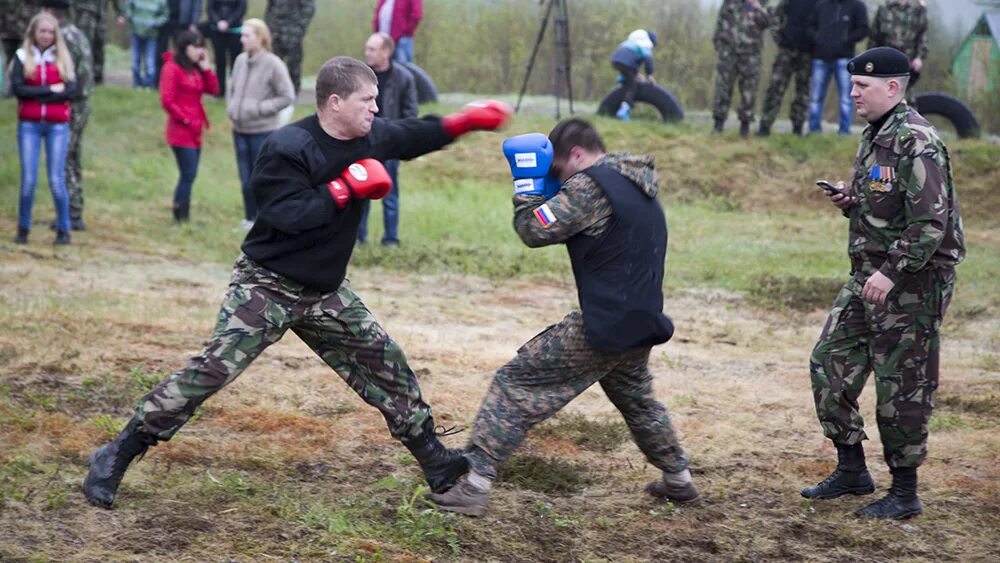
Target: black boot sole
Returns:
[[857, 491]]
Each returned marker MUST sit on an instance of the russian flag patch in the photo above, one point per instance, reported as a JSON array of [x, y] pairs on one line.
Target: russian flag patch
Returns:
[[545, 215]]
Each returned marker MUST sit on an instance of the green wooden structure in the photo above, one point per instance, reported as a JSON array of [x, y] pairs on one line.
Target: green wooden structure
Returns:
[[976, 66]]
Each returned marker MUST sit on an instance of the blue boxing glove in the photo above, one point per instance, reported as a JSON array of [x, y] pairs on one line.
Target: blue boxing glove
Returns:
[[530, 158]]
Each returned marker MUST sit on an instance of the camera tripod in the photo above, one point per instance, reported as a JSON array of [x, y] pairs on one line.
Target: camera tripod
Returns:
[[560, 42]]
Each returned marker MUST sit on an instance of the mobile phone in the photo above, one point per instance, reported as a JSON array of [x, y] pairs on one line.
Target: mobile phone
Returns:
[[830, 188]]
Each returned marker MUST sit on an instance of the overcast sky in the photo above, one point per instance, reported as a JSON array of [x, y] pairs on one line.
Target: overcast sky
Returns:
[[965, 12]]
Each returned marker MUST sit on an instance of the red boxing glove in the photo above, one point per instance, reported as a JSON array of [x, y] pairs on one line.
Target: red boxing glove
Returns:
[[365, 179], [483, 115]]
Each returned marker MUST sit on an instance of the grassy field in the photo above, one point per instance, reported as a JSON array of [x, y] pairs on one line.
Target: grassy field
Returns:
[[287, 464]]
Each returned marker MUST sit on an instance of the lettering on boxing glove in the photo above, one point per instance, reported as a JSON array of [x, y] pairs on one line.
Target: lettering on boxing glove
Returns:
[[483, 115], [530, 158], [364, 179]]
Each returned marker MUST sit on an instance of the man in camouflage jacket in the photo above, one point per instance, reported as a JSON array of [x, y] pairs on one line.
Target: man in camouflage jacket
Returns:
[[905, 241], [793, 62], [14, 18], [288, 21], [79, 50], [738, 39], [613, 226], [90, 17], [902, 25]]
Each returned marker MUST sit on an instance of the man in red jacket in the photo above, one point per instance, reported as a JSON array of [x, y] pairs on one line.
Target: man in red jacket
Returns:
[[399, 19]]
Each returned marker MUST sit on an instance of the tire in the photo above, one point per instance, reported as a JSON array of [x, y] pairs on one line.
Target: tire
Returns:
[[652, 94], [950, 108], [426, 92]]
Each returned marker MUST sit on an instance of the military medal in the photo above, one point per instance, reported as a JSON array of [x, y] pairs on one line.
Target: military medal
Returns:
[[882, 177]]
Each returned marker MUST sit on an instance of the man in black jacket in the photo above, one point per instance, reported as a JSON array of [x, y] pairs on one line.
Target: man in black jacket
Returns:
[[836, 26], [397, 99], [291, 275], [793, 61], [224, 20]]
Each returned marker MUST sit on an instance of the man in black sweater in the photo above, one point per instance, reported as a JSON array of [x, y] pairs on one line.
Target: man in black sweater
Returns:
[[836, 25], [309, 186]]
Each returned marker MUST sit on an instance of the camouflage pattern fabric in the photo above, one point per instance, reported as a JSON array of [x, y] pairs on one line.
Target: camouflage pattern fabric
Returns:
[[738, 39], [79, 49], [258, 309], [548, 372], [90, 17], [15, 15], [580, 206], [789, 65], [906, 225], [288, 21], [733, 68], [901, 25]]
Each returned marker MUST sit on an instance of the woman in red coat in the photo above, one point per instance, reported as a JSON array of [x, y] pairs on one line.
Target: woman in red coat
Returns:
[[185, 77]]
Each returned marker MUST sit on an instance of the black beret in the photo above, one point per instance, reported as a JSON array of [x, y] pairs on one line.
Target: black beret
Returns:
[[880, 61], [57, 4]]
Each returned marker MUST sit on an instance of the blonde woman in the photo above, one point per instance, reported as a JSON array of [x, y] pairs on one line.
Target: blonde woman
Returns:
[[258, 90], [43, 79]]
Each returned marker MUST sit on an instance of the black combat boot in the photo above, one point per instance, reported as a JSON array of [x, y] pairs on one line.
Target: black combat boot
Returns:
[[797, 129], [901, 502], [78, 224], [745, 129], [851, 476], [62, 237], [764, 131], [22, 235], [441, 466], [717, 129], [109, 462]]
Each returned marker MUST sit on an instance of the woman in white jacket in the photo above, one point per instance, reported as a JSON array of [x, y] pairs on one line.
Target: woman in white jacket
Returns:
[[259, 89]]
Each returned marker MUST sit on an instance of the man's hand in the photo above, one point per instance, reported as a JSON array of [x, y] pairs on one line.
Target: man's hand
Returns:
[[876, 288], [840, 197], [222, 26], [483, 115], [120, 21], [916, 64]]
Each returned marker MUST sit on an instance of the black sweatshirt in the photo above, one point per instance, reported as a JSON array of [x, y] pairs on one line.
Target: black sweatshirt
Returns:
[[836, 26], [299, 232]]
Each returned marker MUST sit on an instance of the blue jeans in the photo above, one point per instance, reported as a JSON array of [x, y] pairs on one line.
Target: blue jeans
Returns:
[[821, 71], [29, 144], [404, 50], [390, 209], [187, 164], [143, 54], [247, 147]]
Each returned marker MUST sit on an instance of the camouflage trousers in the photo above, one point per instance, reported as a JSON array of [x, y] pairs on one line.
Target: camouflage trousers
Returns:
[[74, 158], [733, 67], [288, 46], [548, 372], [789, 64], [899, 341], [93, 25], [258, 309]]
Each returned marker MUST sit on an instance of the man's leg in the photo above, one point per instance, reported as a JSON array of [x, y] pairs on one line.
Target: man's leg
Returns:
[[844, 97], [725, 77], [820, 82], [839, 366], [801, 71], [345, 334], [548, 372], [781, 71], [906, 353], [74, 163], [255, 313], [748, 67], [630, 387], [390, 206], [404, 50]]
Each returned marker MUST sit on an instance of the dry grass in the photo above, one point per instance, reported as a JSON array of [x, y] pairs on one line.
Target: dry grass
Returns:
[[287, 463]]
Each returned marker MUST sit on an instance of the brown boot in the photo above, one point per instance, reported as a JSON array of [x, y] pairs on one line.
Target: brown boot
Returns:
[[674, 487], [463, 498]]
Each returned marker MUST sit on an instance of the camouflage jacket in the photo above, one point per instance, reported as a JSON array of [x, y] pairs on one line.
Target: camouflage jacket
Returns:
[[83, 60], [15, 16], [906, 216], [96, 6], [580, 206], [289, 13], [740, 28], [903, 26]]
